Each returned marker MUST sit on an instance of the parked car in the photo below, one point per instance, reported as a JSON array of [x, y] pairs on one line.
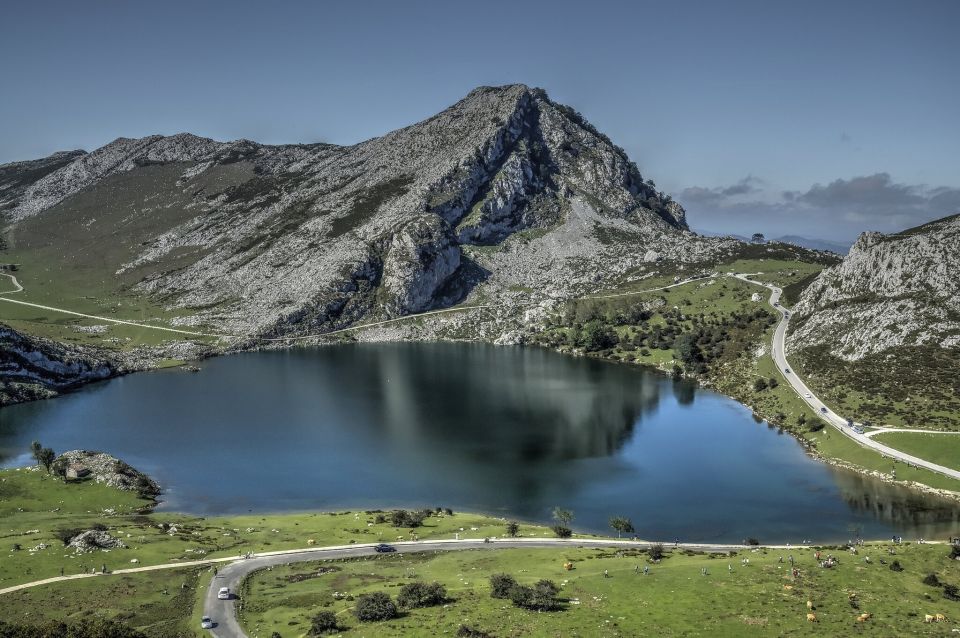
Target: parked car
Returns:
[[224, 593], [849, 423], [383, 548], [206, 623], [858, 429]]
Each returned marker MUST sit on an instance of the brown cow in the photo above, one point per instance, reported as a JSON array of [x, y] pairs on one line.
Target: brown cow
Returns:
[[812, 617]]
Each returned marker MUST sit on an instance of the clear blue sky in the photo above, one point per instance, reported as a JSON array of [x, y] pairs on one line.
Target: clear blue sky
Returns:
[[818, 118]]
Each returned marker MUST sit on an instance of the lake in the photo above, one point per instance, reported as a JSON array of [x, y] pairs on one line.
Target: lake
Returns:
[[511, 431]]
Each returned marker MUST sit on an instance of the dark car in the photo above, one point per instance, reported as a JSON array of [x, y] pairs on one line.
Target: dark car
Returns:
[[384, 548], [824, 410]]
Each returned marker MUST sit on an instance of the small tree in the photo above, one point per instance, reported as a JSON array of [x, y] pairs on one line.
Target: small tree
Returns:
[[760, 385], [513, 529], [622, 525], [562, 516], [46, 457], [501, 584], [773, 383], [325, 622], [415, 595], [540, 597], [35, 449], [656, 551], [374, 607]]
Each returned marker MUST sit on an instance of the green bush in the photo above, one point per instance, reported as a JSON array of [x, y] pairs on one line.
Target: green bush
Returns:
[[561, 531], [374, 607], [501, 584], [415, 595], [324, 622]]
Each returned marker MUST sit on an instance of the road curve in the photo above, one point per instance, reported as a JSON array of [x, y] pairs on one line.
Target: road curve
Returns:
[[223, 612], [818, 406]]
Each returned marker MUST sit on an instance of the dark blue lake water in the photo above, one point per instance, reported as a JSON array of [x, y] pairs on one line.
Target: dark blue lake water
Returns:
[[506, 430]]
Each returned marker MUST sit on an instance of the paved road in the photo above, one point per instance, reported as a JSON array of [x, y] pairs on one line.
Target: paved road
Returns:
[[883, 430], [223, 612], [818, 406]]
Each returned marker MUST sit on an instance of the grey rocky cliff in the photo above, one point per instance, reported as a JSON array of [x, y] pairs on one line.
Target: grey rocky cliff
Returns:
[[889, 291], [503, 190]]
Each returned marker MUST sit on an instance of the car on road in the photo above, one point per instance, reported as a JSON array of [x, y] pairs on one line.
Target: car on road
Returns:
[[858, 429], [787, 370], [824, 410], [808, 395], [224, 593], [206, 623], [384, 548]]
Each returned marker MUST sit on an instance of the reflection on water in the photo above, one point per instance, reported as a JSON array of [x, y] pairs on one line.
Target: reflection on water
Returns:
[[515, 431]]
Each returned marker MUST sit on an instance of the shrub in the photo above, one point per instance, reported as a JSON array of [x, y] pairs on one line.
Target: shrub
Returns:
[[931, 580], [540, 597], [512, 528], [374, 607], [951, 592], [501, 584], [414, 595], [760, 385], [656, 551], [325, 622], [955, 551], [379, 518], [896, 566], [403, 518], [751, 541], [469, 632], [561, 531]]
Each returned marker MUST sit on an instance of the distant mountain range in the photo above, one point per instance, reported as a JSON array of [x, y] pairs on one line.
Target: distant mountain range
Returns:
[[837, 247]]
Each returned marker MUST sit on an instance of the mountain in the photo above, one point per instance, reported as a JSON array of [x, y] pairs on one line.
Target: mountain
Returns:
[[837, 247], [504, 193], [889, 291]]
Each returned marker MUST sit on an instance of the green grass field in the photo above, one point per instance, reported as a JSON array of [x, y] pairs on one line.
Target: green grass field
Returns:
[[759, 599], [939, 448]]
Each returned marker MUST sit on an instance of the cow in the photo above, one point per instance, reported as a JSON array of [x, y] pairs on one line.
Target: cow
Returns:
[[928, 618], [863, 617], [941, 618], [810, 604], [811, 617]]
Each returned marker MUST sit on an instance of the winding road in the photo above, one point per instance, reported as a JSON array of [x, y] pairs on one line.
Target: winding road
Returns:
[[818, 406]]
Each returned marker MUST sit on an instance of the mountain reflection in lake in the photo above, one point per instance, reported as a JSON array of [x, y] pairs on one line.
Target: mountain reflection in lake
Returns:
[[507, 430]]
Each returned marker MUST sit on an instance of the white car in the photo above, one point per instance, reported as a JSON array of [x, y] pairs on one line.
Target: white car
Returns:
[[224, 593], [206, 623], [808, 395]]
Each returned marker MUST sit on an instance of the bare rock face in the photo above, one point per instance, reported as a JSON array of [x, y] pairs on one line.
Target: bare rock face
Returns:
[[504, 190], [889, 291], [32, 368], [421, 258]]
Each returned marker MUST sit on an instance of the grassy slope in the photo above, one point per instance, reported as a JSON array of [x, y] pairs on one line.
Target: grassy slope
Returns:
[[69, 255], [33, 506], [675, 599], [939, 448]]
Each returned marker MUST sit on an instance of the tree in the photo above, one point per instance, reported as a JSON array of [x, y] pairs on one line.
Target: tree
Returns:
[[35, 449], [758, 238], [46, 457], [621, 525], [375, 606], [540, 597], [325, 622], [760, 385], [562, 516], [418, 594], [561, 531], [513, 529], [501, 584], [656, 551], [772, 382], [597, 336], [59, 469]]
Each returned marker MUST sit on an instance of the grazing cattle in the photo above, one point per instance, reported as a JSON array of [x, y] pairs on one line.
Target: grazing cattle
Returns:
[[811, 617], [928, 618], [310, 541], [809, 604], [863, 617], [941, 618]]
